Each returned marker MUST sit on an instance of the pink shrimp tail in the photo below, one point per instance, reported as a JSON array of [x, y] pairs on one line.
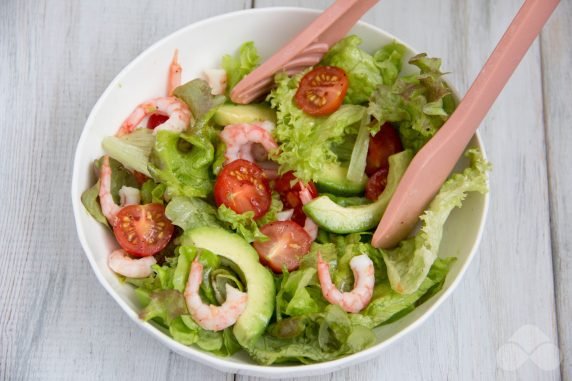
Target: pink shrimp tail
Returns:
[[175, 70]]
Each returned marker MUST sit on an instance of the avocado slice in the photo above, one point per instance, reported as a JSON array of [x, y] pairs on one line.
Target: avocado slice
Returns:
[[352, 219], [333, 179], [233, 114], [259, 281]]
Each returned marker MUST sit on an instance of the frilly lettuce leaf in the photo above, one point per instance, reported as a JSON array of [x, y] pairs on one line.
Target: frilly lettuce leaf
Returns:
[[311, 338], [182, 162], [419, 103], [361, 68], [238, 67], [409, 263], [276, 206], [243, 224], [298, 132]]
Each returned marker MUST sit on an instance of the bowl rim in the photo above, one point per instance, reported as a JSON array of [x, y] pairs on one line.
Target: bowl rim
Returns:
[[221, 363]]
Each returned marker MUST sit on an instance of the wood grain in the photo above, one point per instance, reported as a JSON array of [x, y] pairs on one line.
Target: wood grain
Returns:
[[56, 322], [56, 57], [556, 64]]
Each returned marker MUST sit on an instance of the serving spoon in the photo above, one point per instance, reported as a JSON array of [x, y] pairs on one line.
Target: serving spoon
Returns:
[[434, 162], [304, 50]]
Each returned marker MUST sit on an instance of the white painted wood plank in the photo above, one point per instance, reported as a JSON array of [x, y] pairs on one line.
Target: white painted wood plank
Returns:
[[509, 285], [556, 64], [56, 57]]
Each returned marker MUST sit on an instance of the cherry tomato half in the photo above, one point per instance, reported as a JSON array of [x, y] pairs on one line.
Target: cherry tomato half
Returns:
[[322, 90], [289, 187], [381, 146], [243, 187], [156, 120], [376, 184], [143, 230], [287, 243]]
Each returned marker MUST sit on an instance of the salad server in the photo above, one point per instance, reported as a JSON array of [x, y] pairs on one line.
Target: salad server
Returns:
[[304, 50], [433, 163]]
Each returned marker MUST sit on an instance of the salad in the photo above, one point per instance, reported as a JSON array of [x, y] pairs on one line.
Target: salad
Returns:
[[248, 227]]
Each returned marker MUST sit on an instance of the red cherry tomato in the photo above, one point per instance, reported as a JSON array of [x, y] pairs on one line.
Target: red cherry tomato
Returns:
[[289, 187], [143, 230], [322, 90], [156, 120], [243, 187], [381, 146], [140, 177], [287, 243], [376, 184]]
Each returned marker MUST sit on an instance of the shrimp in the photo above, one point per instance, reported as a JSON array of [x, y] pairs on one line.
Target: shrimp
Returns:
[[175, 70], [108, 206], [240, 140], [216, 78], [129, 196], [284, 215], [358, 298], [121, 263], [177, 110], [309, 225], [210, 317]]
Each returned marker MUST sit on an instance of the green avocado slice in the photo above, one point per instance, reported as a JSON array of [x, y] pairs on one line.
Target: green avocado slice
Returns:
[[333, 179], [233, 114], [352, 219], [259, 281]]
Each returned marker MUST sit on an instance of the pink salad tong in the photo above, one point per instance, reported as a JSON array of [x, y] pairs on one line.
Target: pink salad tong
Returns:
[[434, 162], [306, 49]]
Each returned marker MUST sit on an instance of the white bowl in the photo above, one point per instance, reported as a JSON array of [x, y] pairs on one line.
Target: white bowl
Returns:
[[201, 45]]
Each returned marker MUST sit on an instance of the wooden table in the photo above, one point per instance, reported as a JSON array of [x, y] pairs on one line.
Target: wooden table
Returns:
[[57, 322]]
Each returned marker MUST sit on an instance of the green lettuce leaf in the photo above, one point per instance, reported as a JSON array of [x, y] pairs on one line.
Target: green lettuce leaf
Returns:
[[184, 330], [191, 212], [243, 224], [90, 200], [132, 150], [238, 67], [388, 60], [292, 297], [409, 263], [182, 162], [388, 305], [167, 305], [276, 206], [311, 338], [151, 192], [197, 95], [120, 177], [419, 104], [361, 68], [220, 157], [298, 132]]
